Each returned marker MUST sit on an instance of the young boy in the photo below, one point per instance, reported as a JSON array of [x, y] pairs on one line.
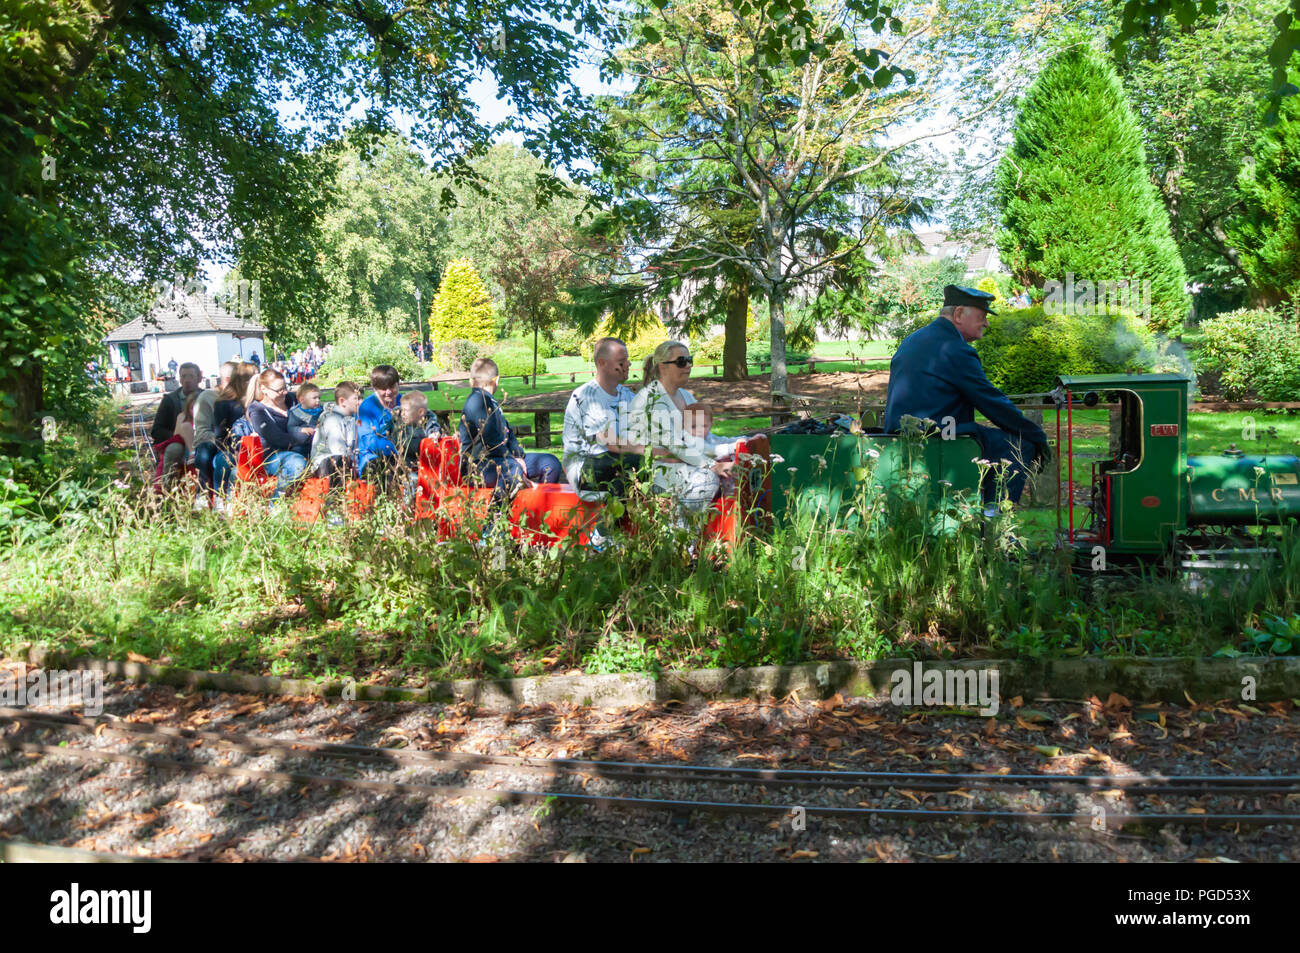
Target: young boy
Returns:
[[304, 414], [490, 451], [413, 425], [334, 448], [375, 422]]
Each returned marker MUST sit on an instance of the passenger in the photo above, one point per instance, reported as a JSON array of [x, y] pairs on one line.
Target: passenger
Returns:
[[334, 448], [416, 423], [229, 424], [205, 435], [284, 457], [164, 421], [685, 466], [598, 456], [698, 419], [489, 448], [165, 476], [936, 375], [306, 410], [375, 449]]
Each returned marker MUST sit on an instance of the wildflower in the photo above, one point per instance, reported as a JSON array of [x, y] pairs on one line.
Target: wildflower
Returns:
[[777, 458], [1259, 472], [873, 454]]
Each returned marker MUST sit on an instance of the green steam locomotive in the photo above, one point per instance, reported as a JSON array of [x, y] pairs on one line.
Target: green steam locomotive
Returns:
[[1146, 499]]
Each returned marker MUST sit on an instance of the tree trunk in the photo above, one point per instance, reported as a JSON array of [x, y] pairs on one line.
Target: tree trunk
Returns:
[[28, 393], [534, 352], [776, 309], [734, 347]]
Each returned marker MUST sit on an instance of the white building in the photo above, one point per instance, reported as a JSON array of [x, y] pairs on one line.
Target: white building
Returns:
[[197, 329], [978, 258]]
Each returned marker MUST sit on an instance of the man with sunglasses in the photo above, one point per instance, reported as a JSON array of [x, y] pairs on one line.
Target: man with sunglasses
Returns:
[[598, 457]]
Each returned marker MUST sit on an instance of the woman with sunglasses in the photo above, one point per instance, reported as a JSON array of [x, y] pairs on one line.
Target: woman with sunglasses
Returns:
[[685, 466], [284, 451]]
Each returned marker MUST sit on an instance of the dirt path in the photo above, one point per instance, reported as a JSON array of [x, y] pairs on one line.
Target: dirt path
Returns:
[[136, 810]]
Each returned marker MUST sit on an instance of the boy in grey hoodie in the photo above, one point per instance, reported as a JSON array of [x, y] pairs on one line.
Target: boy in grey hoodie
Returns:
[[334, 448]]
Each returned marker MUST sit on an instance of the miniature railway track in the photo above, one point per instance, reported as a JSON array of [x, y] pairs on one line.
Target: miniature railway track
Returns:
[[757, 779]]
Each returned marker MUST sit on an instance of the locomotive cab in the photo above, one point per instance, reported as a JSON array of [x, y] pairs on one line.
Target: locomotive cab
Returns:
[[1136, 497]]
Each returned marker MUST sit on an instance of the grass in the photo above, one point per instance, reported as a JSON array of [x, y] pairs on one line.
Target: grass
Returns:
[[383, 600]]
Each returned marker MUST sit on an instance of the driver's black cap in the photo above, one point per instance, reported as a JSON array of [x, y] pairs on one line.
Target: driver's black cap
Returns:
[[955, 295]]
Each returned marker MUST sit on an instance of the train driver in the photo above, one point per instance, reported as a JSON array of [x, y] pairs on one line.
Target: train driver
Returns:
[[935, 374]]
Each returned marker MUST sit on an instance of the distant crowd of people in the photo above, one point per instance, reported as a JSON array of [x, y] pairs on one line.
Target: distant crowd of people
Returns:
[[608, 430]]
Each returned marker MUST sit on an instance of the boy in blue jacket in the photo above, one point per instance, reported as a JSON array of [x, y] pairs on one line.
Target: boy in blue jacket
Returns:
[[375, 448]]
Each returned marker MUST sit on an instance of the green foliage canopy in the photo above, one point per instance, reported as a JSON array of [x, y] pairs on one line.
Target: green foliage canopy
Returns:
[[1268, 230]]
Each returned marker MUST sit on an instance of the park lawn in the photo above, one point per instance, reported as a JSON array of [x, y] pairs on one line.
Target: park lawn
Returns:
[[871, 350]]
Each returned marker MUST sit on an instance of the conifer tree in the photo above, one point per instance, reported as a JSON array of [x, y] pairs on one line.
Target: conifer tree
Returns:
[[1076, 195], [462, 308]]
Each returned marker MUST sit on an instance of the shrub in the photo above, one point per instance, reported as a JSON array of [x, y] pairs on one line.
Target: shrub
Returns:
[[758, 352], [545, 347], [1254, 353], [352, 357], [710, 351], [462, 308], [763, 355], [1024, 351], [514, 358], [566, 341], [649, 335], [457, 355]]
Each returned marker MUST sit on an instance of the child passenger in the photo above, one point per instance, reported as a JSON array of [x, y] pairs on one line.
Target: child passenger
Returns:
[[698, 420], [304, 414], [334, 448], [413, 425]]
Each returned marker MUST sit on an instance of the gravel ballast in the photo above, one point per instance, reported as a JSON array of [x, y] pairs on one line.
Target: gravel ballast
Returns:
[[148, 812]]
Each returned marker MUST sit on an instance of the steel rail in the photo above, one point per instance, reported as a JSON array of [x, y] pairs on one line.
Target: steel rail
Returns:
[[646, 772], [643, 771], [674, 806]]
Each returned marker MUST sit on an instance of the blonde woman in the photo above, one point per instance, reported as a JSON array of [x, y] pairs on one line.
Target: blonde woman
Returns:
[[284, 450], [229, 423], [687, 467], [206, 449]]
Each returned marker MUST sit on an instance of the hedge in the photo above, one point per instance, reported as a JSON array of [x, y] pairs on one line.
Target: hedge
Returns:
[[1024, 350], [1254, 353]]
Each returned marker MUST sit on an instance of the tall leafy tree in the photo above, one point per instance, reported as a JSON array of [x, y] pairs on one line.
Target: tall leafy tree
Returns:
[[1076, 192], [505, 201], [1139, 18], [1268, 230], [381, 237], [780, 167], [536, 264], [1190, 86]]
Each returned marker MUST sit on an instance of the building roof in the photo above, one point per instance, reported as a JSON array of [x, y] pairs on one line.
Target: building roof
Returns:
[[196, 314], [937, 244]]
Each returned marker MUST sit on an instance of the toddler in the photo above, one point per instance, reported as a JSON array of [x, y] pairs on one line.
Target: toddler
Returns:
[[304, 413]]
